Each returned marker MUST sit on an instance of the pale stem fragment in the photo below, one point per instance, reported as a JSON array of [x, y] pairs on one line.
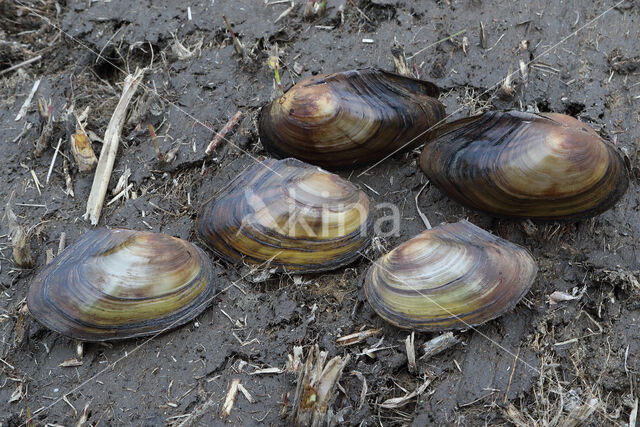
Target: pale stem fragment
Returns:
[[110, 148]]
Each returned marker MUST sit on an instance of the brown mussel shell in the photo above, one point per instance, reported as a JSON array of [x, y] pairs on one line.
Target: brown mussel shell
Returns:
[[541, 166], [449, 277], [289, 215], [118, 284], [349, 119]]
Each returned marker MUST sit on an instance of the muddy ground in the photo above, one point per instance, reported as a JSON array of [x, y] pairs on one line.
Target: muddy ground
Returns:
[[538, 364]]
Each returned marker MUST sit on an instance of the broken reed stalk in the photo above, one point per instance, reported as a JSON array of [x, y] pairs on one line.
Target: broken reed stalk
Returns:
[[219, 136], [110, 147], [230, 399], [316, 385]]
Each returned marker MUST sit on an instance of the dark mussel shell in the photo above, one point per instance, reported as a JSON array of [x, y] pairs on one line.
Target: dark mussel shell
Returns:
[[349, 119], [287, 214], [513, 164], [117, 284], [450, 277]]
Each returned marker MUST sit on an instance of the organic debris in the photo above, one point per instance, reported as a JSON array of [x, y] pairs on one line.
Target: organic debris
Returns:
[[314, 8], [357, 337], [439, 344], [110, 148], [316, 384], [219, 136], [19, 239], [400, 60], [398, 402], [83, 152], [45, 110]]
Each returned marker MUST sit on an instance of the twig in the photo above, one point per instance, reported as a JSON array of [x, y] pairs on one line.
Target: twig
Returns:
[[286, 12], [423, 217], [53, 160], [219, 136], [110, 148], [513, 370], [7, 363], [22, 64], [120, 194], [107, 44], [27, 102]]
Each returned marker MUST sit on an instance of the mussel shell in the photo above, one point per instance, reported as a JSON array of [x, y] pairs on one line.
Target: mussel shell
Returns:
[[540, 166], [349, 119], [450, 277], [289, 215], [117, 284]]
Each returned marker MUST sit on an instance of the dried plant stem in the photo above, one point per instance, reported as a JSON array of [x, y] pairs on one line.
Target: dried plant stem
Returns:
[[317, 381], [423, 217], [230, 398], [22, 64], [27, 102], [110, 148], [219, 136], [53, 160]]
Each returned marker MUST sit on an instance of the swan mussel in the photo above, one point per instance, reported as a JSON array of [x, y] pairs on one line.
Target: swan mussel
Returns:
[[449, 277], [117, 283], [289, 215], [541, 166], [349, 119]]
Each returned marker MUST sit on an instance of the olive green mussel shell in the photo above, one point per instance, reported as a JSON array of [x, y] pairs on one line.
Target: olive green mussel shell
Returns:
[[287, 214], [539, 166], [450, 277], [117, 284], [349, 119]]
